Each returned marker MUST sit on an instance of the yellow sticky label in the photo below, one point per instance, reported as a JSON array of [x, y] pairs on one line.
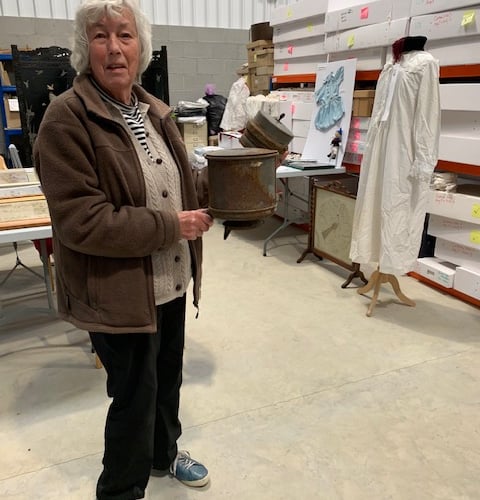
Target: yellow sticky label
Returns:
[[468, 17], [476, 210], [310, 27], [289, 12], [351, 41], [475, 237]]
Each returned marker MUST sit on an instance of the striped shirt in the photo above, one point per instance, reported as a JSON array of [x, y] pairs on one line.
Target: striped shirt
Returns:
[[131, 114]]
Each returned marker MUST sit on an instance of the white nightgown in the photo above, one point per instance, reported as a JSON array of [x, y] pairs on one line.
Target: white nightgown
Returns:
[[399, 159]]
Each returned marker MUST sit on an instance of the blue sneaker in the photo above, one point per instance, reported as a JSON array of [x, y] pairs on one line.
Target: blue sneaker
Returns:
[[189, 471]]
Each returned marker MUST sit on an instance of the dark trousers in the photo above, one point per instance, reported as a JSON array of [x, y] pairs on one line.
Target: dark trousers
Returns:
[[144, 375]]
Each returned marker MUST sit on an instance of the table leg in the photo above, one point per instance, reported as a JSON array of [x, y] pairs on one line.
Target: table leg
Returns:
[[46, 274], [286, 222]]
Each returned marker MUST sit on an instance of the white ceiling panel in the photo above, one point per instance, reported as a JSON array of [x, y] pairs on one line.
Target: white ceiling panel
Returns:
[[237, 14]]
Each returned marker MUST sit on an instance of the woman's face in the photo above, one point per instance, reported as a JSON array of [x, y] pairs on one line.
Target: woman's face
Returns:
[[114, 51]]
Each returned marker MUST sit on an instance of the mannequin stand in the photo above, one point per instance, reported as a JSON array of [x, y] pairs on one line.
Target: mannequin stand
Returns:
[[376, 279]]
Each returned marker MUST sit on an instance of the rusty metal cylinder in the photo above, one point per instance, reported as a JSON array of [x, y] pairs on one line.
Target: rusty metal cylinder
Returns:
[[241, 183]]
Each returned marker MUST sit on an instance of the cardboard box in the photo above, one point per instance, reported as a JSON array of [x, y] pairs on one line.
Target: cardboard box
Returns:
[[455, 253], [457, 231], [363, 102], [428, 6], [366, 13], [12, 112], [298, 30], [449, 24], [304, 9], [194, 134], [260, 51], [5, 78], [435, 270], [467, 281], [454, 205]]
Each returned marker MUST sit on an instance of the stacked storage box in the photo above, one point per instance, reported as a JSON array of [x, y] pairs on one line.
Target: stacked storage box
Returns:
[[260, 66], [455, 222], [451, 27], [297, 108], [298, 37], [366, 31]]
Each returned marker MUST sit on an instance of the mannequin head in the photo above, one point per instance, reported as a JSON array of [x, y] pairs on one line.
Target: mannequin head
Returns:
[[407, 44]]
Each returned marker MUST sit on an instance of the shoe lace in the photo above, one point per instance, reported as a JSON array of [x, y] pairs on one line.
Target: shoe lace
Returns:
[[184, 459]]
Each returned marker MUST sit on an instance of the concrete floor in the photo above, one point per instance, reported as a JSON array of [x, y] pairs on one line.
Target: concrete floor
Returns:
[[291, 391]]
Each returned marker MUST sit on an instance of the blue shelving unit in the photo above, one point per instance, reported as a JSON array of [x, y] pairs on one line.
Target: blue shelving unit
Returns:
[[7, 89]]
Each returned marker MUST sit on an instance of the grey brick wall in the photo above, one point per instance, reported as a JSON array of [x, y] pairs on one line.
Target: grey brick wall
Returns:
[[196, 56]]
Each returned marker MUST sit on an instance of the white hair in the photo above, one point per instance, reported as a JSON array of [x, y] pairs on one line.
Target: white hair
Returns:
[[89, 12]]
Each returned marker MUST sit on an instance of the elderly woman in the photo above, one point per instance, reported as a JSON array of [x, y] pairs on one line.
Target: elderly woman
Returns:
[[127, 237]]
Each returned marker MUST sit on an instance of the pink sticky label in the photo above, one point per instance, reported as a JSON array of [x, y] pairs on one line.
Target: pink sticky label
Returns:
[[354, 147], [364, 13], [292, 109], [290, 49], [285, 67], [357, 135]]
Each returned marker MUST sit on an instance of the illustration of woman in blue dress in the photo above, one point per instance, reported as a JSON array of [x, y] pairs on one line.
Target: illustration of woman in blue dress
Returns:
[[330, 105]]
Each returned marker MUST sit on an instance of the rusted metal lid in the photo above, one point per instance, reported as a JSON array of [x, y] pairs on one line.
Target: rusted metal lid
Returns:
[[265, 131], [240, 153]]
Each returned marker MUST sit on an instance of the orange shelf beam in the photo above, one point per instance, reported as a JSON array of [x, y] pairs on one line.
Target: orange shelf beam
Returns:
[[450, 291], [458, 168], [460, 71], [304, 78]]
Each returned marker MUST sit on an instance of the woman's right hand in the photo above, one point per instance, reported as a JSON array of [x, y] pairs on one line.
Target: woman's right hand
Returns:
[[193, 223]]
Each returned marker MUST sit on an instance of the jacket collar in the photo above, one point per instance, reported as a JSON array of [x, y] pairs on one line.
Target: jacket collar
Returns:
[[83, 87]]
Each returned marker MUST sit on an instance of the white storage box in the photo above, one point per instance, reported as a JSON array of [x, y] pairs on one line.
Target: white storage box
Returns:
[[376, 35], [436, 270], [307, 47], [460, 97], [366, 59], [304, 9], [420, 7], [450, 24], [458, 231], [298, 66], [298, 30], [297, 145], [455, 51], [467, 281], [454, 205], [229, 140], [366, 13], [460, 255]]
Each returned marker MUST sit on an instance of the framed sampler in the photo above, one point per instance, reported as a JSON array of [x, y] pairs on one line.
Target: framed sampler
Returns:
[[332, 206]]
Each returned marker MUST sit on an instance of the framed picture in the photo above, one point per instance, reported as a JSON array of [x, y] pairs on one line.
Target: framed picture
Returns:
[[332, 207]]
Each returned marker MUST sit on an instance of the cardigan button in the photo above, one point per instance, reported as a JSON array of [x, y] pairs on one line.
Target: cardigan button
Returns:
[[177, 258], [164, 194], [178, 288], [159, 161], [147, 134]]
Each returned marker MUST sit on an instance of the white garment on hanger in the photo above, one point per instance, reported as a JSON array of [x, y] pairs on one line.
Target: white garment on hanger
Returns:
[[399, 159]]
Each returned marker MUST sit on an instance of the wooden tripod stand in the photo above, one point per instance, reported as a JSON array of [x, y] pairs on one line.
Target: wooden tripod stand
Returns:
[[376, 279]]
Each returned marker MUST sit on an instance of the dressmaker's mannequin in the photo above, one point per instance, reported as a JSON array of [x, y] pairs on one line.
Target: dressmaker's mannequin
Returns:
[[399, 159]]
